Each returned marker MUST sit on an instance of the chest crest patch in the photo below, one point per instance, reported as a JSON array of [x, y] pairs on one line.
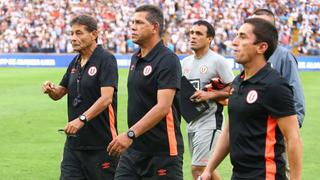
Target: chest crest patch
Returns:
[[252, 96], [147, 70], [203, 69], [92, 71]]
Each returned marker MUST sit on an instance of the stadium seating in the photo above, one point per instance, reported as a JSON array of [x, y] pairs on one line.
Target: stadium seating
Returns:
[[42, 26]]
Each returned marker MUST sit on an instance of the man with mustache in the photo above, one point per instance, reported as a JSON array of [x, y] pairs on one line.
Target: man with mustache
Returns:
[[91, 82]]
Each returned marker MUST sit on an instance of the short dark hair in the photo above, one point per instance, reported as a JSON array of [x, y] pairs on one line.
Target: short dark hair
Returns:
[[264, 32], [86, 20], [155, 15], [266, 12], [210, 29]]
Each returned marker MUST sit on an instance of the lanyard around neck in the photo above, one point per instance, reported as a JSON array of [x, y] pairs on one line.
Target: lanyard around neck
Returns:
[[80, 71]]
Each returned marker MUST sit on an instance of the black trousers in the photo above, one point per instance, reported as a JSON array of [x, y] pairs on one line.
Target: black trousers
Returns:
[[134, 165], [87, 165]]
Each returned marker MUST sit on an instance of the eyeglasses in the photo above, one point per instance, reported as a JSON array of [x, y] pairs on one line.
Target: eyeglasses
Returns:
[[61, 131]]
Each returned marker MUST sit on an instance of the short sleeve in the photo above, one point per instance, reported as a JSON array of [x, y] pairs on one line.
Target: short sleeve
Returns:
[[65, 79], [224, 71], [109, 71], [279, 99], [169, 73]]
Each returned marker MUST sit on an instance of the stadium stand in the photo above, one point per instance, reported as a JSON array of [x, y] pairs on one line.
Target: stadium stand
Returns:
[[40, 25]]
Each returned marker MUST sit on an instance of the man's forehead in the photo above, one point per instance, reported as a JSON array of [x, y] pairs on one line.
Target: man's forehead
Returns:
[[245, 29], [197, 27], [140, 15], [78, 27]]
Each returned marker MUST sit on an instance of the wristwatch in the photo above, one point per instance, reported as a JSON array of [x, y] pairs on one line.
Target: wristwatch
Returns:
[[83, 118], [131, 134]]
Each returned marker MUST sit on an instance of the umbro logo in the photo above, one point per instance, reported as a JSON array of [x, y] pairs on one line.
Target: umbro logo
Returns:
[[105, 165], [162, 172]]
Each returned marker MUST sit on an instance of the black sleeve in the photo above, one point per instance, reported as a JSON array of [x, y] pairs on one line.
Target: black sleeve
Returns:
[[109, 71], [65, 79], [279, 99], [169, 73]]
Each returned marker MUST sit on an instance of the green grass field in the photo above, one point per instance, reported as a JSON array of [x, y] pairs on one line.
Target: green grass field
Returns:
[[31, 147]]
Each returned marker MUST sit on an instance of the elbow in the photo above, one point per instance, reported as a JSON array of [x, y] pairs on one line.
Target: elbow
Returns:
[[164, 109], [107, 102]]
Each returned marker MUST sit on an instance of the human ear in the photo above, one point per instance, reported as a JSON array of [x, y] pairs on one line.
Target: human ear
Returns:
[[262, 47], [94, 34]]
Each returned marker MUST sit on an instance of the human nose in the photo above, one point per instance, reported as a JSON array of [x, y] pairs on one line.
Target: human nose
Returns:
[[193, 37], [73, 37], [235, 41], [133, 26]]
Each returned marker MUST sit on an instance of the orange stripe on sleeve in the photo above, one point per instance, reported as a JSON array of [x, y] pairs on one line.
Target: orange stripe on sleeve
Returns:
[[269, 149], [171, 134], [112, 122]]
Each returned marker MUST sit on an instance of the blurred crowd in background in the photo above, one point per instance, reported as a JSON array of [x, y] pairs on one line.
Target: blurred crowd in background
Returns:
[[43, 25]]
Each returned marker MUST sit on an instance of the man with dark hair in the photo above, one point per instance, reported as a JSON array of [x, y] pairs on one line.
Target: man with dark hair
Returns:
[[152, 148], [261, 112], [200, 68], [91, 84], [88, 21], [286, 64], [155, 16]]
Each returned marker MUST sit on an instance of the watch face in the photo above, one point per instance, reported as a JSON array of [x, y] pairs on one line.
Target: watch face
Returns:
[[82, 118], [131, 134]]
